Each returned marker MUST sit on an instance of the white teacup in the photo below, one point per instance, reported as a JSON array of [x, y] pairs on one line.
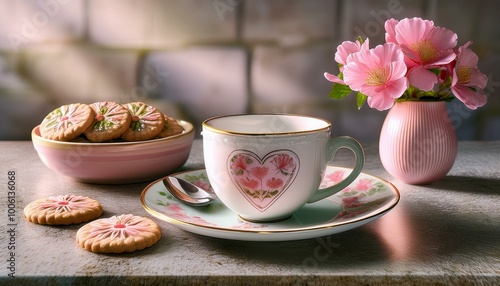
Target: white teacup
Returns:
[[264, 167]]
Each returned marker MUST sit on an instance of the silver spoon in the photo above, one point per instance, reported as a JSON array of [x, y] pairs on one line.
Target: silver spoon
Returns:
[[187, 192]]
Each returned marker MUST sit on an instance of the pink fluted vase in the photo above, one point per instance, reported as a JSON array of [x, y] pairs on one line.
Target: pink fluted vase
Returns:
[[418, 144]]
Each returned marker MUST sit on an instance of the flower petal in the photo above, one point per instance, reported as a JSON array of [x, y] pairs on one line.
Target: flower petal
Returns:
[[355, 75], [422, 78], [333, 78], [442, 38], [466, 57], [389, 52], [390, 34], [409, 31], [477, 79], [347, 48], [472, 99], [395, 88], [380, 103], [398, 70], [438, 49]]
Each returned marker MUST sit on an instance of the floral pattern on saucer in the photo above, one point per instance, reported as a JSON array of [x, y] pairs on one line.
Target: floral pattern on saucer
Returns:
[[352, 205], [367, 198], [176, 210]]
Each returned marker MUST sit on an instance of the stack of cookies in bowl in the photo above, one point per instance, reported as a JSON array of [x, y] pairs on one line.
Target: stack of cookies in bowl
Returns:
[[107, 121], [106, 142]]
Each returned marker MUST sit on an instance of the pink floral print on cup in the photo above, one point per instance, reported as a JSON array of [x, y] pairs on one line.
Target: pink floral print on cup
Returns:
[[262, 181]]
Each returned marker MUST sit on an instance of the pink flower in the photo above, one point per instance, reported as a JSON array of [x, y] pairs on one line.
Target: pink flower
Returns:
[[378, 73], [239, 163], [390, 31], [336, 176], [274, 183], [351, 202], [283, 162], [260, 172], [468, 82], [175, 208], [364, 185], [418, 62], [343, 52], [199, 220], [177, 211], [347, 48], [251, 184], [425, 47]]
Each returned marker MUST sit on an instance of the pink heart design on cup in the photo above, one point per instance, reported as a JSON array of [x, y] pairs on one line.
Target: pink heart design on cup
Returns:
[[262, 181]]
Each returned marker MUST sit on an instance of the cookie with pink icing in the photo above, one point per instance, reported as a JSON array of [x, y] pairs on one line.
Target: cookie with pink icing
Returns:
[[110, 122], [67, 122], [62, 210], [147, 122], [170, 128], [117, 234]]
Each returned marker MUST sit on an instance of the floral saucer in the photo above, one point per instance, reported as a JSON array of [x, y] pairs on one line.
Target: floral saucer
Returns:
[[365, 200]]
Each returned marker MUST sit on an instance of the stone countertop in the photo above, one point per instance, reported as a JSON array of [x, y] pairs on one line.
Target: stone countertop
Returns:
[[447, 232]]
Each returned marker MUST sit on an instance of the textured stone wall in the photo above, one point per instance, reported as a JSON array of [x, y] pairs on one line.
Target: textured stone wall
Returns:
[[200, 58]]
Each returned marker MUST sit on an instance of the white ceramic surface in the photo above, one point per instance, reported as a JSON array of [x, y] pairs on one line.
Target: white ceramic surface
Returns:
[[266, 166], [365, 200], [118, 162]]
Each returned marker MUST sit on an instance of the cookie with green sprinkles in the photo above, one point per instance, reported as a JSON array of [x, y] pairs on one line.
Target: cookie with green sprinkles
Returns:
[[171, 128], [147, 122], [67, 122], [110, 122]]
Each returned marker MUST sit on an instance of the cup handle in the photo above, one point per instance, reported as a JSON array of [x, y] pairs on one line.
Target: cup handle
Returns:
[[334, 144]]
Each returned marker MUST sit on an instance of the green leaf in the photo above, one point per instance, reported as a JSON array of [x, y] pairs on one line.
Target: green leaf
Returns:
[[448, 98], [160, 203], [340, 75], [191, 178], [340, 91], [257, 194], [360, 100], [437, 72]]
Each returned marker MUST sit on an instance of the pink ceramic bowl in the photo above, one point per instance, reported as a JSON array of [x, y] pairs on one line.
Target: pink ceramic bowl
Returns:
[[115, 163]]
